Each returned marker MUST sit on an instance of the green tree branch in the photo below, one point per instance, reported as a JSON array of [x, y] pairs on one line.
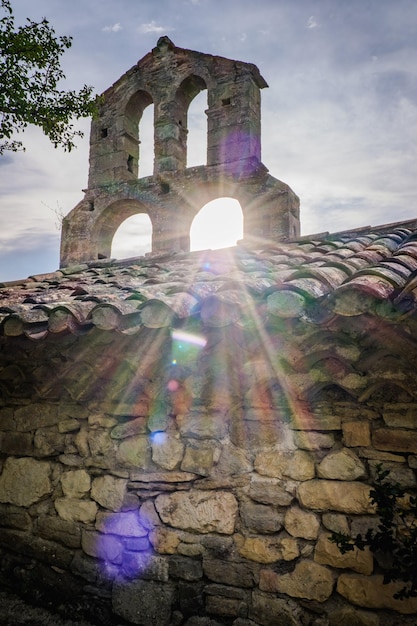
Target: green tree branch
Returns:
[[30, 71]]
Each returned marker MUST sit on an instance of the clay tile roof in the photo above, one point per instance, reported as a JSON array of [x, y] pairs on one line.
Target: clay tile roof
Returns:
[[371, 270]]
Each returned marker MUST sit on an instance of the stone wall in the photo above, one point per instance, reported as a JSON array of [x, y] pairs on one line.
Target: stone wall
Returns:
[[174, 480]]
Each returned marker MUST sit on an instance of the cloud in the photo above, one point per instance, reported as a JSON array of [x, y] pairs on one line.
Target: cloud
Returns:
[[153, 27], [29, 253], [312, 22], [115, 28]]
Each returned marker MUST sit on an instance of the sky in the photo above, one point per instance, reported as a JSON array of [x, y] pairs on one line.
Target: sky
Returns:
[[339, 119]]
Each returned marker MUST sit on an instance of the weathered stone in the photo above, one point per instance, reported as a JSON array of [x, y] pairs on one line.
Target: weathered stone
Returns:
[[105, 547], [311, 440], [360, 524], [335, 495], [308, 580], [75, 484], [395, 440], [253, 431], [341, 465], [109, 492], [71, 460], [120, 524], [269, 491], [186, 549], [138, 407], [143, 602], [185, 568], [300, 523], [370, 592], [356, 433], [24, 481], [400, 415], [327, 553], [260, 518], [335, 522], [234, 461], [36, 548], [35, 415], [7, 419], [148, 516], [225, 591], [218, 545], [268, 610], [101, 421], [398, 473], [134, 452], [162, 477], [200, 511], [412, 461], [202, 425], [226, 607], [199, 461], [191, 599], [77, 411], [145, 565], [99, 442], [378, 455], [137, 544], [236, 574], [68, 426], [297, 465], [65, 532], [349, 616], [316, 421], [88, 568], [129, 429], [74, 510], [167, 450], [16, 443], [81, 442], [267, 550], [48, 441], [14, 517], [164, 540]]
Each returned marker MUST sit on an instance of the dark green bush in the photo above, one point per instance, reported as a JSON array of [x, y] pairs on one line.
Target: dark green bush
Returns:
[[394, 542]]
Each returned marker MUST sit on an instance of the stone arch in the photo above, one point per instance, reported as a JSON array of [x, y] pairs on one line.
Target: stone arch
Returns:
[[133, 112], [189, 88], [133, 237], [226, 205], [110, 220], [197, 130]]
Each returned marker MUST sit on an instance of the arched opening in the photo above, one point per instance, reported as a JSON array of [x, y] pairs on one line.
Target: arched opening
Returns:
[[138, 136], [146, 142], [190, 105], [133, 237], [219, 224], [197, 131]]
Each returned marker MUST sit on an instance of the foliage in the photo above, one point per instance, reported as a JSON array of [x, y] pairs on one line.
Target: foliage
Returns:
[[30, 71], [394, 543]]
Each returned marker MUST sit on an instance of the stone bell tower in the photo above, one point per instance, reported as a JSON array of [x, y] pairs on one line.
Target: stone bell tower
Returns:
[[170, 77]]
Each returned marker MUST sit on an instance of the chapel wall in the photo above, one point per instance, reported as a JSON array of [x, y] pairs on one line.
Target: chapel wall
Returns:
[[170, 482]]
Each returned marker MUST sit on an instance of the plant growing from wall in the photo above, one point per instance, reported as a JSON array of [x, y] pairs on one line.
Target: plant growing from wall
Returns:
[[394, 542], [30, 71]]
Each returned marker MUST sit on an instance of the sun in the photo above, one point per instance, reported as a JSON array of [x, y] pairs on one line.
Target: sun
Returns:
[[219, 224]]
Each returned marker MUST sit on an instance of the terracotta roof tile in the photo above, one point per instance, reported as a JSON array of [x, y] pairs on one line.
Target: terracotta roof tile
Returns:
[[370, 271]]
